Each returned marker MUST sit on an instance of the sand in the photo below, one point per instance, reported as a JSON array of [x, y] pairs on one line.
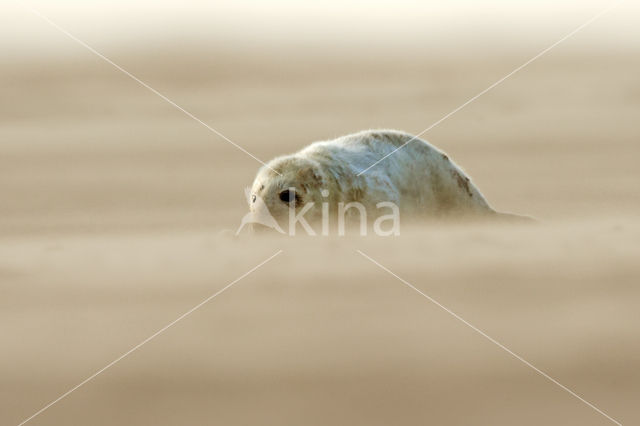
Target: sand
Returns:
[[116, 210]]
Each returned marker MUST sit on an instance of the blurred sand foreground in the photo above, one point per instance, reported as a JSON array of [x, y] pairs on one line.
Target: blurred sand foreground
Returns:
[[112, 203]]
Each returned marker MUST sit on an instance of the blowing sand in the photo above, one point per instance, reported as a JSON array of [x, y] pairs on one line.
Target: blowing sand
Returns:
[[112, 206]]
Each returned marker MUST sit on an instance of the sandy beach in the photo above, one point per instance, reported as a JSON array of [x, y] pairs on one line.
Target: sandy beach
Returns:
[[116, 215]]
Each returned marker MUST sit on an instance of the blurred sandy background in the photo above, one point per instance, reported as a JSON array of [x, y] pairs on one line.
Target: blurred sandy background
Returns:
[[112, 203]]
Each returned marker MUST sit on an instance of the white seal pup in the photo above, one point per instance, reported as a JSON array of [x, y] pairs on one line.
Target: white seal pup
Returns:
[[418, 178]]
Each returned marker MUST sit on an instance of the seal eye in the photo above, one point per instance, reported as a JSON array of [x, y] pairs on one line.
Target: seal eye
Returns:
[[288, 196], [253, 198]]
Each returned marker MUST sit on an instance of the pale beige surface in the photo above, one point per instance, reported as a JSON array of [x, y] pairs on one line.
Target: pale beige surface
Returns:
[[112, 205]]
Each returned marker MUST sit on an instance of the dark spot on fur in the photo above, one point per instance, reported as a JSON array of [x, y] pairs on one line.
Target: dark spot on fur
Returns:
[[356, 194], [445, 157], [395, 139], [463, 182]]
